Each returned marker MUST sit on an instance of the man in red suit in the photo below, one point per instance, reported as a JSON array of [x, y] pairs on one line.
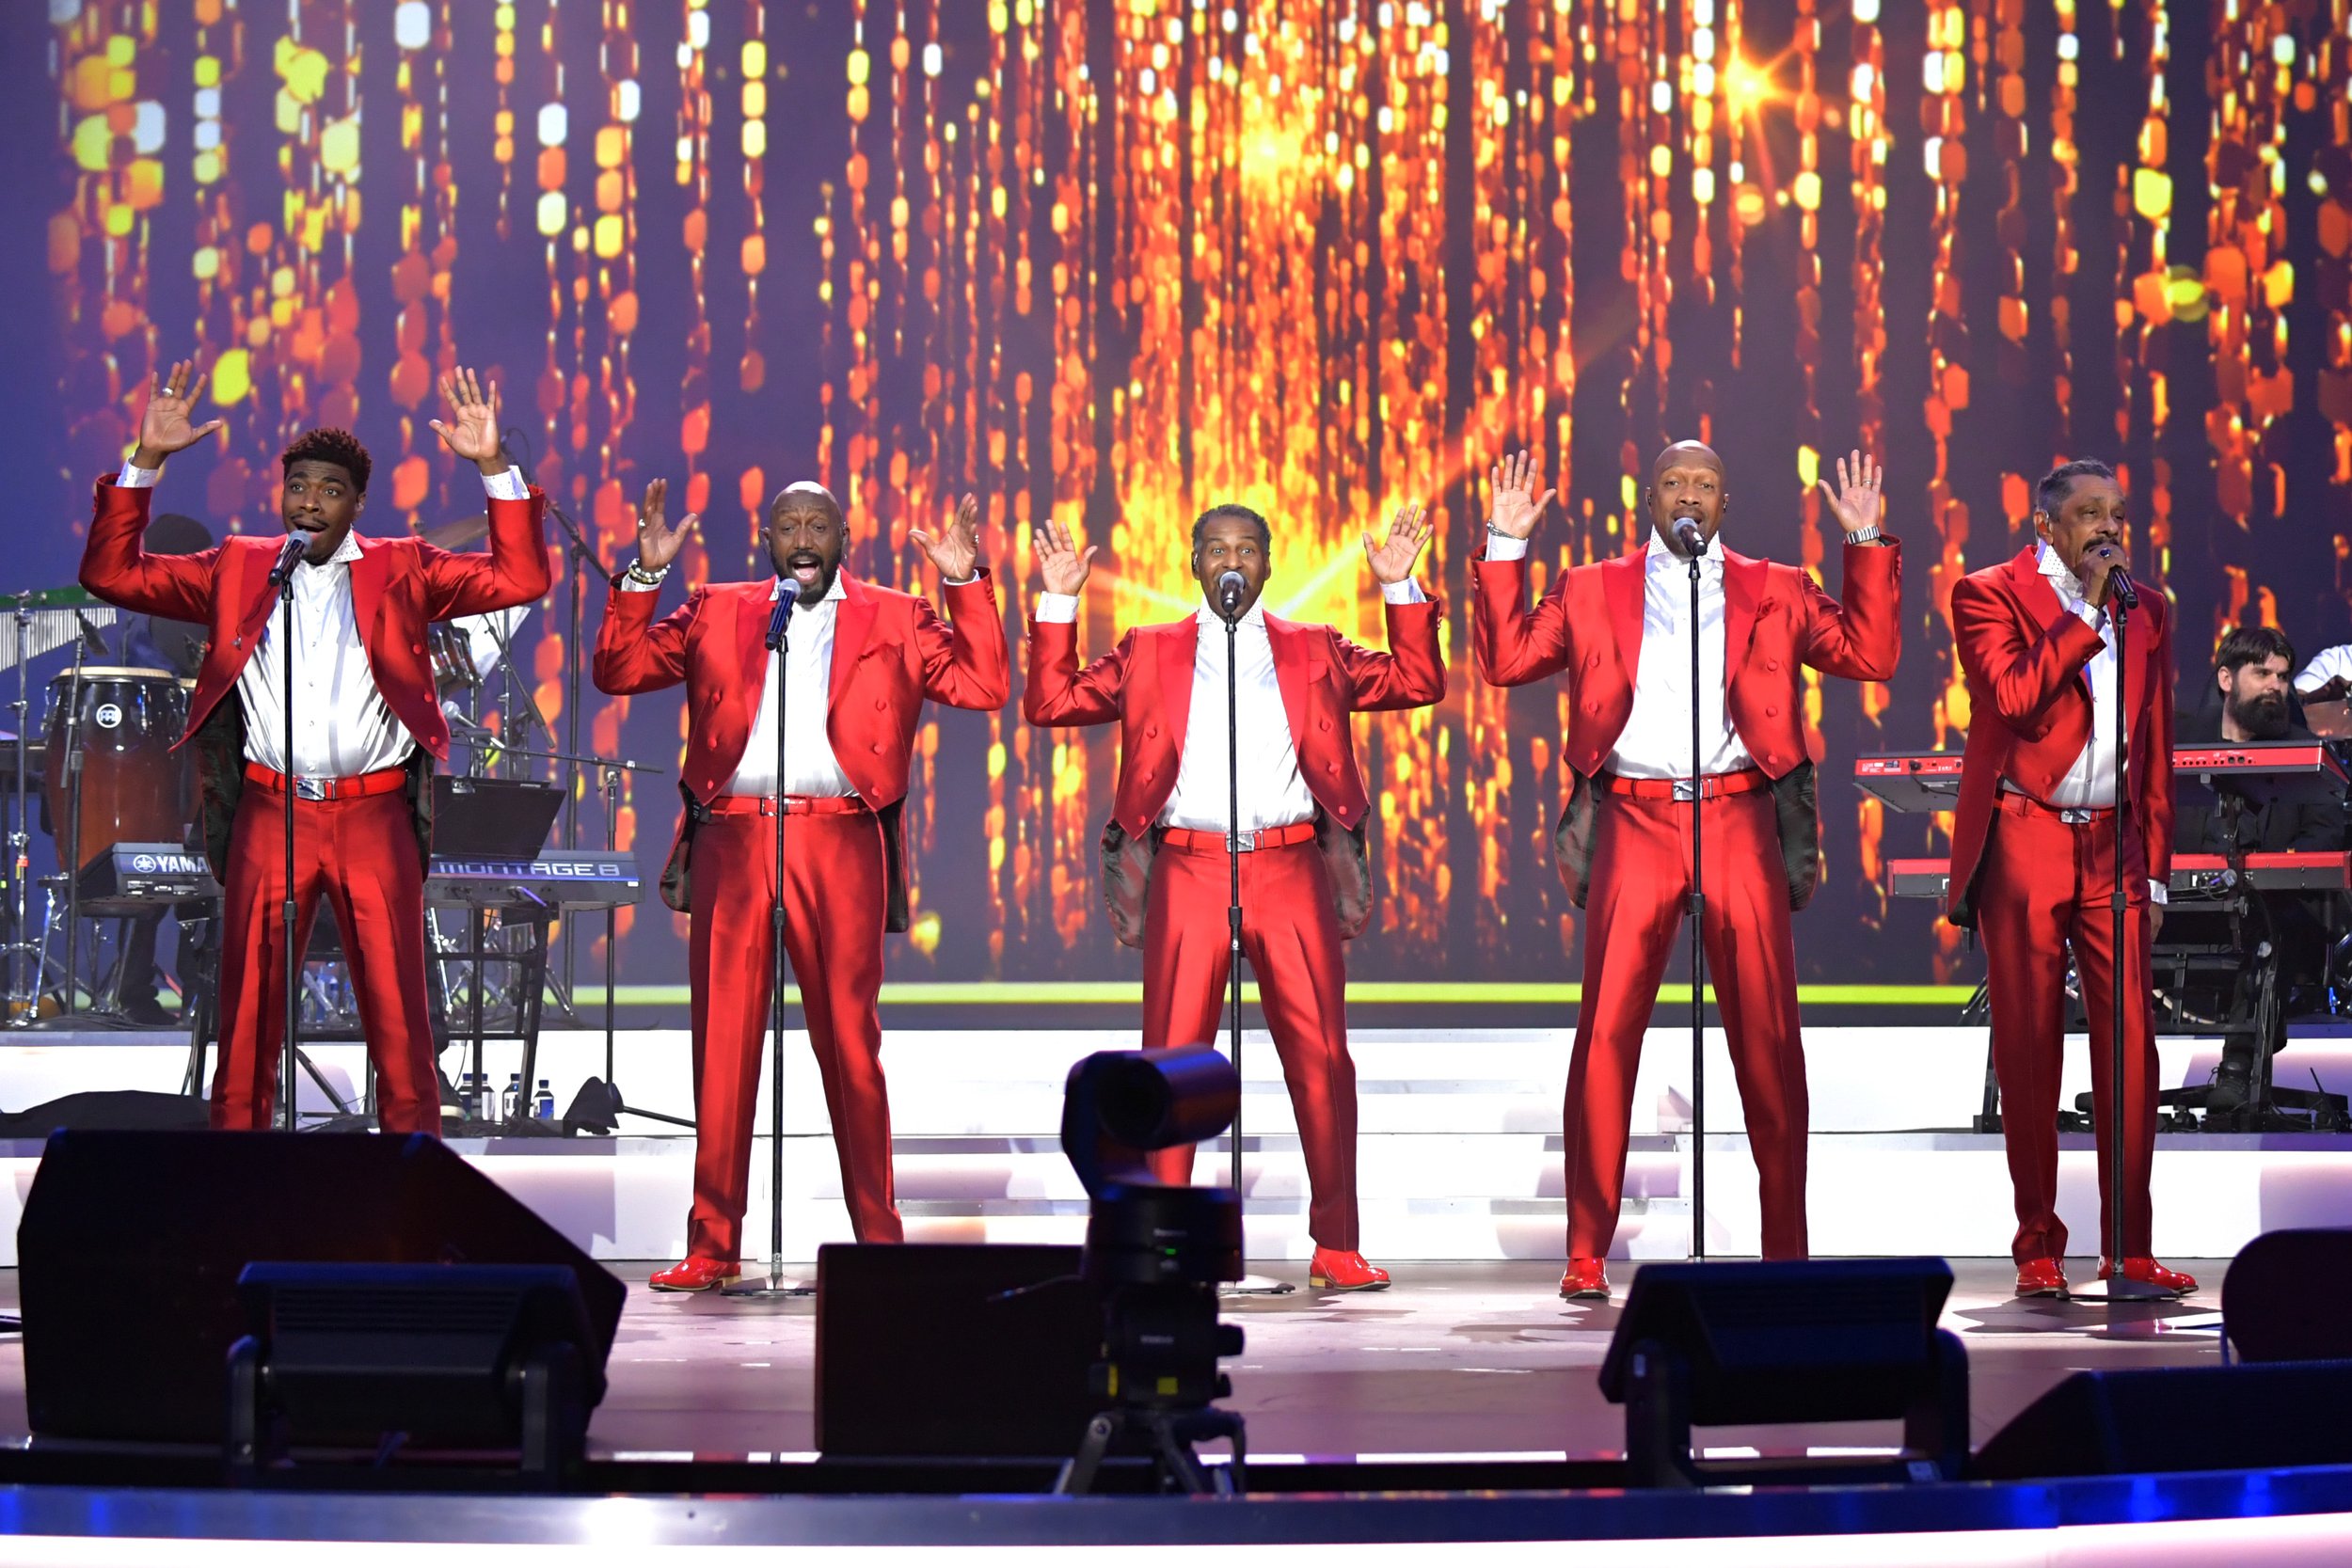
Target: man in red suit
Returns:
[[1621, 631], [2033, 848], [859, 662], [367, 727], [1305, 873]]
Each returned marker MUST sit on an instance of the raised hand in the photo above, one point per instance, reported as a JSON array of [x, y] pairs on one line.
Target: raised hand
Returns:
[[473, 431], [1856, 502], [165, 429], [1058, 561], [1511, 504], [657, 544], [955, 548], [1408, 535]]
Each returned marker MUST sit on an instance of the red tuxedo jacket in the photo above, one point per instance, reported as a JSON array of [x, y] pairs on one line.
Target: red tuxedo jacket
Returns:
[[398, 587], [1776, 621], [2024, 655], [890, 650], [1145, 683]]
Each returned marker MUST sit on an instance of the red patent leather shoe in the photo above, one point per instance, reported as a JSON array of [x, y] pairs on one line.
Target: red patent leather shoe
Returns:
[[1586, 1281], [696, 1274], [2041, 1277], [2147, 1270], [1344, 1271]]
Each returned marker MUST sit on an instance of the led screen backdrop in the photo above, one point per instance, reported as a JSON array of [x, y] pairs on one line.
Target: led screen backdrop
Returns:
[[1115, 260]]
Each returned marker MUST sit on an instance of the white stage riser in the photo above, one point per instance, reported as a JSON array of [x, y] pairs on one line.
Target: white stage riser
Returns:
[[1008, 1083], [1458, 1157]]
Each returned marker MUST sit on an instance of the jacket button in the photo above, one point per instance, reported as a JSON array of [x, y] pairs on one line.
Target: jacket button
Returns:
[[881, 704], [416, 647], [1324, 724], [878, 750], [1592, 707], [1151, 732], [1772, 664], [1330, 768], [1771, 713]]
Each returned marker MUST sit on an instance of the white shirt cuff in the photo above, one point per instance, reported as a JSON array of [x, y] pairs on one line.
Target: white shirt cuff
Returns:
[[2158, 894], [630, 585], [136, 478], [508, 487], [2092, 616], [1407, 592], [959, 583], [1057, 610], [1501, 547]]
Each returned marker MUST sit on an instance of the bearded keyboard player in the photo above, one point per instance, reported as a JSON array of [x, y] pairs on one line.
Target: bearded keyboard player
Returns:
[[1305, 875], [2288, 932], [367, 729], [860, 660], [2034, 868], [1620, 632]]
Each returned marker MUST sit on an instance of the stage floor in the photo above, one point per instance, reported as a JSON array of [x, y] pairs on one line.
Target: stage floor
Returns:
[[1456, 1358]]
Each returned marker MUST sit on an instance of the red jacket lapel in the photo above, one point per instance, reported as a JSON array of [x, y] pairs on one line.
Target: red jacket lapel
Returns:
[[852, 622], [1743, 590], [368, 578], [1180, 646], [1289, 642], [1622, 581]]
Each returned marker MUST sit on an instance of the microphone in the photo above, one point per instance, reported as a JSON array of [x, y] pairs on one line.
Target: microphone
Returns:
[[1230, 589], [1687, 534], [776, 619], [288, 554], [2119, 588]]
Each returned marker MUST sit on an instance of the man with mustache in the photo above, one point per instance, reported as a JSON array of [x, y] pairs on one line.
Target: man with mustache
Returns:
[[1620, 630], [859, 662], [1167, 852], [2034, 868], [2283, 934], [367, 727]]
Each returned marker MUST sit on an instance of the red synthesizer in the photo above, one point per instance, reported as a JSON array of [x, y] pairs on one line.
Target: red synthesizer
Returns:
[[2283, 871], [1929, 780]]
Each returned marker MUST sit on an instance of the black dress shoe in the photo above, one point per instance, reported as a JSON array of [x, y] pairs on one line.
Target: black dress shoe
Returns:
[[148, 1013]]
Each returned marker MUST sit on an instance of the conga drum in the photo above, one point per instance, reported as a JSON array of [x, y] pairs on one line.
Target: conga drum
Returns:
[[132, 789]]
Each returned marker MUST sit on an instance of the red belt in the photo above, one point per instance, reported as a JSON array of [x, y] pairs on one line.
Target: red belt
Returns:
[[2026, 805], [309, 788], [794, 805], [1259, 838], [1747, 781]]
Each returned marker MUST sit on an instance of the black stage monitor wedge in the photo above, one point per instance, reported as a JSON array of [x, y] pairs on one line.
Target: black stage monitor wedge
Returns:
[[1774, 1343], [935, 1351], [2161, 1418], [2283, 1299], [131, 1243]]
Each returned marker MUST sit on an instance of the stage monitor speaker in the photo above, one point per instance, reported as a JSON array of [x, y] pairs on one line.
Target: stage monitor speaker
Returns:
[[2281, 1413], [132, 1242], [954, 1351], [2283, 1299], [1774, 1343]]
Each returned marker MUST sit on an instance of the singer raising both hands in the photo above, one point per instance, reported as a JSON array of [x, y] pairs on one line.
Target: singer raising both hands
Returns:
[[1305, 873], [1620, 633], [367, 727], [2034, 862], [859, 661]]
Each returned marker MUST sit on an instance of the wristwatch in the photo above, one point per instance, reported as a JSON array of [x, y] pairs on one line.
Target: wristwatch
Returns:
[[1865, 536]]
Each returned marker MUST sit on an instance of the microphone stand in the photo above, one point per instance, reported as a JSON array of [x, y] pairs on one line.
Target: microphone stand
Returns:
[[289, 1051], [2115, 1287], [1698, 924], [775, 1284], [1249, 1284]]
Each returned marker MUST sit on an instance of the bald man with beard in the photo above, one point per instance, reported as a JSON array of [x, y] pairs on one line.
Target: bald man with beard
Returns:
[[859, 663], [1619, 631]]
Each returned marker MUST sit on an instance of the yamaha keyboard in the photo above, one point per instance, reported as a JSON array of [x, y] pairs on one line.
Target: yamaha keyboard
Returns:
[[132, 876], [2193, 875], [1931, 781]]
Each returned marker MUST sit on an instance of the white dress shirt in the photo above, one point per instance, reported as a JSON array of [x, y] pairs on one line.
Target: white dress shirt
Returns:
[[1656, 743], [809, 765], [1273, 792], [342, 725], [2089, 785]]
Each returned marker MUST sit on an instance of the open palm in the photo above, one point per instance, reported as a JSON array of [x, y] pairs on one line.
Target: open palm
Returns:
[[167, 426]]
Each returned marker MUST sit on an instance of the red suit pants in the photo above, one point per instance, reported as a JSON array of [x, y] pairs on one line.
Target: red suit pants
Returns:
[[361, 854], [1634, 911], [834, 905], [1291, 935], [2046, 886]]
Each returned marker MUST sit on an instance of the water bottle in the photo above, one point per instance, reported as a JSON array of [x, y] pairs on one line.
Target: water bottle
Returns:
[[468, 1095], [511, 1102], [544, 1106]]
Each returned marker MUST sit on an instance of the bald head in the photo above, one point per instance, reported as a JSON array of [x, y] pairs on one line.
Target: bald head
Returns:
[[1687, 485], [808, 536]]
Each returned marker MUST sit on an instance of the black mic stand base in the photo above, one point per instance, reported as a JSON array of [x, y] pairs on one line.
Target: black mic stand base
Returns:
[[2118, 1289], [774, 1285]]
